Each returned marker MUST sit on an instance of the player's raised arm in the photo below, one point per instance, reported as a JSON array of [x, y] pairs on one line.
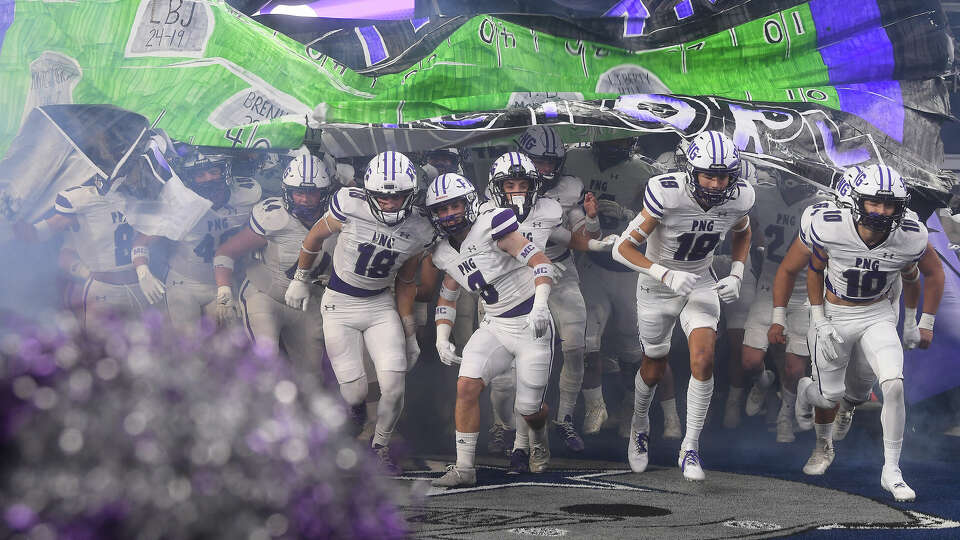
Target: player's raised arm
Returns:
[[929, 265]]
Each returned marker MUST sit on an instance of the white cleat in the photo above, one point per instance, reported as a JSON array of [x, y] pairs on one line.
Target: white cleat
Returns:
[[785, 429], [455, 477], [892, 481], [803, 409], [820, 459], [842, 423], [690, 465], [758, 393], [671, 427], [638, 448], [540, 455], [594, 416], [731, 413]]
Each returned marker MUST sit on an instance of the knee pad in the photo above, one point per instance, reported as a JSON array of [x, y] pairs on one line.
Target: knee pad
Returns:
[[656, 350], [824, 401], [892, 390], [526, 408], [354, 392]]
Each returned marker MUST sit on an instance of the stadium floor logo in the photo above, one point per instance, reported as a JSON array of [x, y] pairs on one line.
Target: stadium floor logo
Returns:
[[617, 503]]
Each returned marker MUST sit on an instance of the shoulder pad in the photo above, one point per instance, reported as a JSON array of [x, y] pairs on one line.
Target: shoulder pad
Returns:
[[245, 192], [662, 192], [488, 206], [72, 199], [269, 216], [346, 202], [550, 209], [747, 197]]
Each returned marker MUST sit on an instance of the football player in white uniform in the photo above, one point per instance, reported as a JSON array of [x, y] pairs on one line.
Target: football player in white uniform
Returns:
[[381, 235], [617, 177], [485, 253], [103, 242], [685, 215], [777, 216], [857, 254], [277, 226], [190, 285], [515, 183]]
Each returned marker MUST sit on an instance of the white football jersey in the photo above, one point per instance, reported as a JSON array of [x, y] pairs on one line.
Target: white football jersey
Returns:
[[541, 221], [284, 234], [777, 222], [103, 239], [192, 257], [567, 192], [369, 252], [623, 182], [855, 272], [481, 267], [687, 235]]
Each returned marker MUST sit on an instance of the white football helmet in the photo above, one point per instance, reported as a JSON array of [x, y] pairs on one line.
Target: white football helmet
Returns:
[[545, 148], [441, 161], [390, 174], [445, 189], [306, 174], [882, 184], [514, 166], [712, 152], [844, 186]]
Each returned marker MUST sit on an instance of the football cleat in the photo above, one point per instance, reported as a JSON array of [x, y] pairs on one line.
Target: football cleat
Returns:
[[383, 456], [540, 454], [842, 423], [671, 427], [455, 477], [758, 393], [804, 409], [638, 451], [501, 439], [569, 434], [785, 429], [690, 466], [892, 481], [519, 462], [594, 417], [820, 459]]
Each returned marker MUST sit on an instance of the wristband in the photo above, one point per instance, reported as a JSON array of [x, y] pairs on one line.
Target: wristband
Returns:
[[736, 270], [222, 261], [545, 270], [779, 316], [909, 316], [926, 321], [449, 295], [140, 251], [444, 313], [592, 224], [302, 274], [656, 271]]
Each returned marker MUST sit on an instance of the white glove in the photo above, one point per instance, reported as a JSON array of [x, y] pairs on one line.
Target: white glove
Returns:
[[827, 335], [911, 332], [447, 352], [728, 288], [152, 288], [539, 319], [679, 281], [606, 244], [297, 295], [227, 311]]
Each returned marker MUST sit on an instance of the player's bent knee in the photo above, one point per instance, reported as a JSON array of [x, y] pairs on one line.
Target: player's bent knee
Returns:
[[892, 389], [656, 351], [469, 388], [355, 391]]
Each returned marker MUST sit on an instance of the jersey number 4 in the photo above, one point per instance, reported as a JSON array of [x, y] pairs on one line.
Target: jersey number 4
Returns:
[[373, 263], [695, 248], [207, 247]]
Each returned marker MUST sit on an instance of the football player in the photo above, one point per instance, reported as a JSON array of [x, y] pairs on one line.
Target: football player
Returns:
[[685, 216], [614, 173], [857, 254], [190, 284], [276, 226], [485, 253], [777, 214], [381, 234]]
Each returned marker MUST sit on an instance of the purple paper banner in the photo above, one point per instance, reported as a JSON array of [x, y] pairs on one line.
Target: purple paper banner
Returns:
[[7, 8], [344, 9]]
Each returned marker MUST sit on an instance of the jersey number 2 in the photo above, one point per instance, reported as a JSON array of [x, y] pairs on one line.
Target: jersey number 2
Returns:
[[374, 265]]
